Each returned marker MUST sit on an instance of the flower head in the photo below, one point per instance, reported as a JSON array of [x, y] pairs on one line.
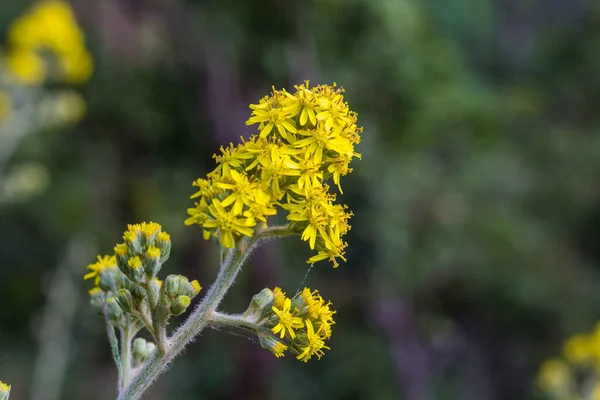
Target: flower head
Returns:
[[314, 344], [304, 138], [302, 324], [286, 322]]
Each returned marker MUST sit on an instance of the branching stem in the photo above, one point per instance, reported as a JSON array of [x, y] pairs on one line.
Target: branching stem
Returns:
[[196, 322]]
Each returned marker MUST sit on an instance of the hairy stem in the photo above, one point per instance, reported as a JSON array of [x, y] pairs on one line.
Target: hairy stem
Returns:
[[276, 231], [196, 322], [220, 320], [127, 335], [112, 339]]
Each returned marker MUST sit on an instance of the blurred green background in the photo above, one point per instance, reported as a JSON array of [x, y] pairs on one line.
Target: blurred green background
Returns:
[[474, 251]]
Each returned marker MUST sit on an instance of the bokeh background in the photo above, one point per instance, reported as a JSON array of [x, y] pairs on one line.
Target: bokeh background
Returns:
[[474, 251]]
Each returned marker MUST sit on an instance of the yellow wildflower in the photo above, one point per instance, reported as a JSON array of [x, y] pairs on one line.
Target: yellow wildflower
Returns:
[[270, 115], [242, 191], [286, 320], [231, 158], [278, 297], [314, 345], [227, 223], [103, 264]]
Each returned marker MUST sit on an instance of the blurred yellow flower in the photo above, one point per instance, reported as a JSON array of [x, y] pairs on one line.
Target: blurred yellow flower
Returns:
[[554, 376], [4, 391], [48, 33], [579, 348], [26, 66]]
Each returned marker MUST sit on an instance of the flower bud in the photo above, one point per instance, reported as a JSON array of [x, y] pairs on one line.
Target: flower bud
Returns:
[[112, 308], [273, 345], [125, 300], [260, 304], [190, 289], [180, 305], [155, 286], [135, 270], [96, 299], [163, 242], [152, 262], [149, 231], [173, 283], [121, 254], [142, 350], [4, 391], [109, 278], [133, 238]]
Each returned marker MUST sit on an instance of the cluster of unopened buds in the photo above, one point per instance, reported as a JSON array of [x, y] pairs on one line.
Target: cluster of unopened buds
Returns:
[[304, 139], [128, 290]]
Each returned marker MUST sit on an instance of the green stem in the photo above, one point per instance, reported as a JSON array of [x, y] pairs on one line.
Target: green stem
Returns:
[[112, 339], [275, 232], [221, 320], [195, 323], [127, 335]]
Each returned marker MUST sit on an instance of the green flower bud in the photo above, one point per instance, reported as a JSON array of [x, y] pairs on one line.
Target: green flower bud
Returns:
[[96, 295], [112, 308], [190, 289], [178, 285], [180, 305], [142, 350], [109, 279], [173, 284], [163, 242], [152, 262], [125, 300], [135, 269], [133, 238], [122, 256], [260, 305], [155, 286]]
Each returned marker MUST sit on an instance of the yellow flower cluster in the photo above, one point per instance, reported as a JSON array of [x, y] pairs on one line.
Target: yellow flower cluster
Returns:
[[304, 139], [561, 378], [304, 322], [48, 35]]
